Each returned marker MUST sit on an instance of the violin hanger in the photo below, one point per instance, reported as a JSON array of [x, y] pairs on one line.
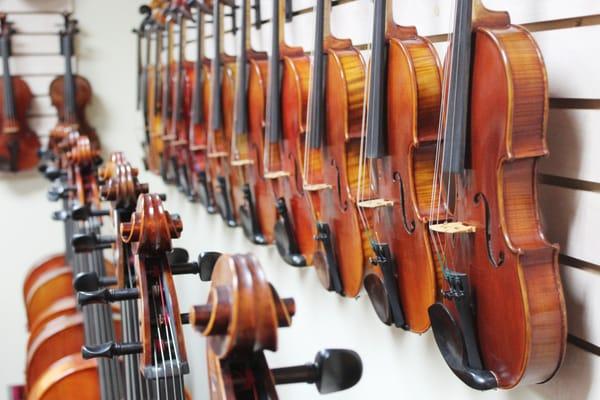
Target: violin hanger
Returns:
[[289, 11], [257, 14]]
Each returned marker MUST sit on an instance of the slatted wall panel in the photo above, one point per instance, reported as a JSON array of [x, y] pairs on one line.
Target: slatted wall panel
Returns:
[[36, 52], [568, 34]]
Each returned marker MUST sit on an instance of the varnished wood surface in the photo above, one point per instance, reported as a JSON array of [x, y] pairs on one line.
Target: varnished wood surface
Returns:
[[508, 136], [83, 95], [18, 126]]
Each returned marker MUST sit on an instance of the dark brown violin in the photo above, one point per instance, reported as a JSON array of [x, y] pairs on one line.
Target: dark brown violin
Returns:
[[285, 130], [399, 144], [200, 187], [224, 180], [70, 94], [331, 160], [19, 145], [257, 214], [495, 259], [240, 321]]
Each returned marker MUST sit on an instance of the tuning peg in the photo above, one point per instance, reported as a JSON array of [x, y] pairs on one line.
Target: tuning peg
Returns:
[[85, 243], [105, 296], [111, 349], [58, 192], [90, 281], [61, 215], [178, 256], [185, 318], [83, 212], [52, 173], [333, 370], [206, 264]]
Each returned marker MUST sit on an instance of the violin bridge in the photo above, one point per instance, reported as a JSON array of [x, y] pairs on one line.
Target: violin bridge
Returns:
[[315, 187], [375, 203], [218, 154], [10, 130], [168, 138], [197, 147], [241, 162], [180, 142], [452, 228], [276, 174]]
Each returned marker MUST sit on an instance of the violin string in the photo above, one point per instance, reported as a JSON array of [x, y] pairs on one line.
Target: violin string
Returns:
[[165, 312], [167, 303], [158, 320]]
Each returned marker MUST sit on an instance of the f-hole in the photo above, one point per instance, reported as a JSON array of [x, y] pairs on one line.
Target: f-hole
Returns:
[[496, 262], [408, 227], [343, 203]]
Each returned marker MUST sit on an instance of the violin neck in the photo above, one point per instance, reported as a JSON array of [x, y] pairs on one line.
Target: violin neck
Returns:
[[167, 83], [178, 112], [457, 102], [197, 96], [241, 92], [215, 111], [9, 98], [273, 97], [317, 91], [376, 116], [157, 67], [69, 79]]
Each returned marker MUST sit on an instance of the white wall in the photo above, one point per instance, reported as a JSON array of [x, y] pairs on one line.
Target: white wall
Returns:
[[396, 364]]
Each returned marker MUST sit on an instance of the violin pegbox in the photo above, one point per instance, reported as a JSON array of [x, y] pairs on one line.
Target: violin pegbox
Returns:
[[150, 233], [122, 188]]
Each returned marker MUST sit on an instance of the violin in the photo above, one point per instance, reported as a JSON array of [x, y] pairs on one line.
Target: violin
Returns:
[[182, 103], [200, 187], [285, 132], [240, 321], [224, 180], [70, 94], [332, 157], [18, 143], [398, 162], [144, 48], [257, 214], [168, 160], [155, 89], [486, 232]]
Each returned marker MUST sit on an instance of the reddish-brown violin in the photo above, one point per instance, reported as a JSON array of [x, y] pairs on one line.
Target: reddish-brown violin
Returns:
[[19, 145], [495, 259]]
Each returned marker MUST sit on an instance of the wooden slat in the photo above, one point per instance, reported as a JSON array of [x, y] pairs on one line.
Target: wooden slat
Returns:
[[570, 217]]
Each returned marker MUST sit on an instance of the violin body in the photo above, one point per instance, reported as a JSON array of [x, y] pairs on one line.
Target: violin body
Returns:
[[512, 268], [198, 145], [344, 93], [218, 164], [83, 96], [17, 141], [263, 196], [48, 288], [294, 99], [405, 174]]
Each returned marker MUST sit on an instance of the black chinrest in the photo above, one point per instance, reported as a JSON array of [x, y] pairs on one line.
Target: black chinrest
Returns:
[[449, 339]]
